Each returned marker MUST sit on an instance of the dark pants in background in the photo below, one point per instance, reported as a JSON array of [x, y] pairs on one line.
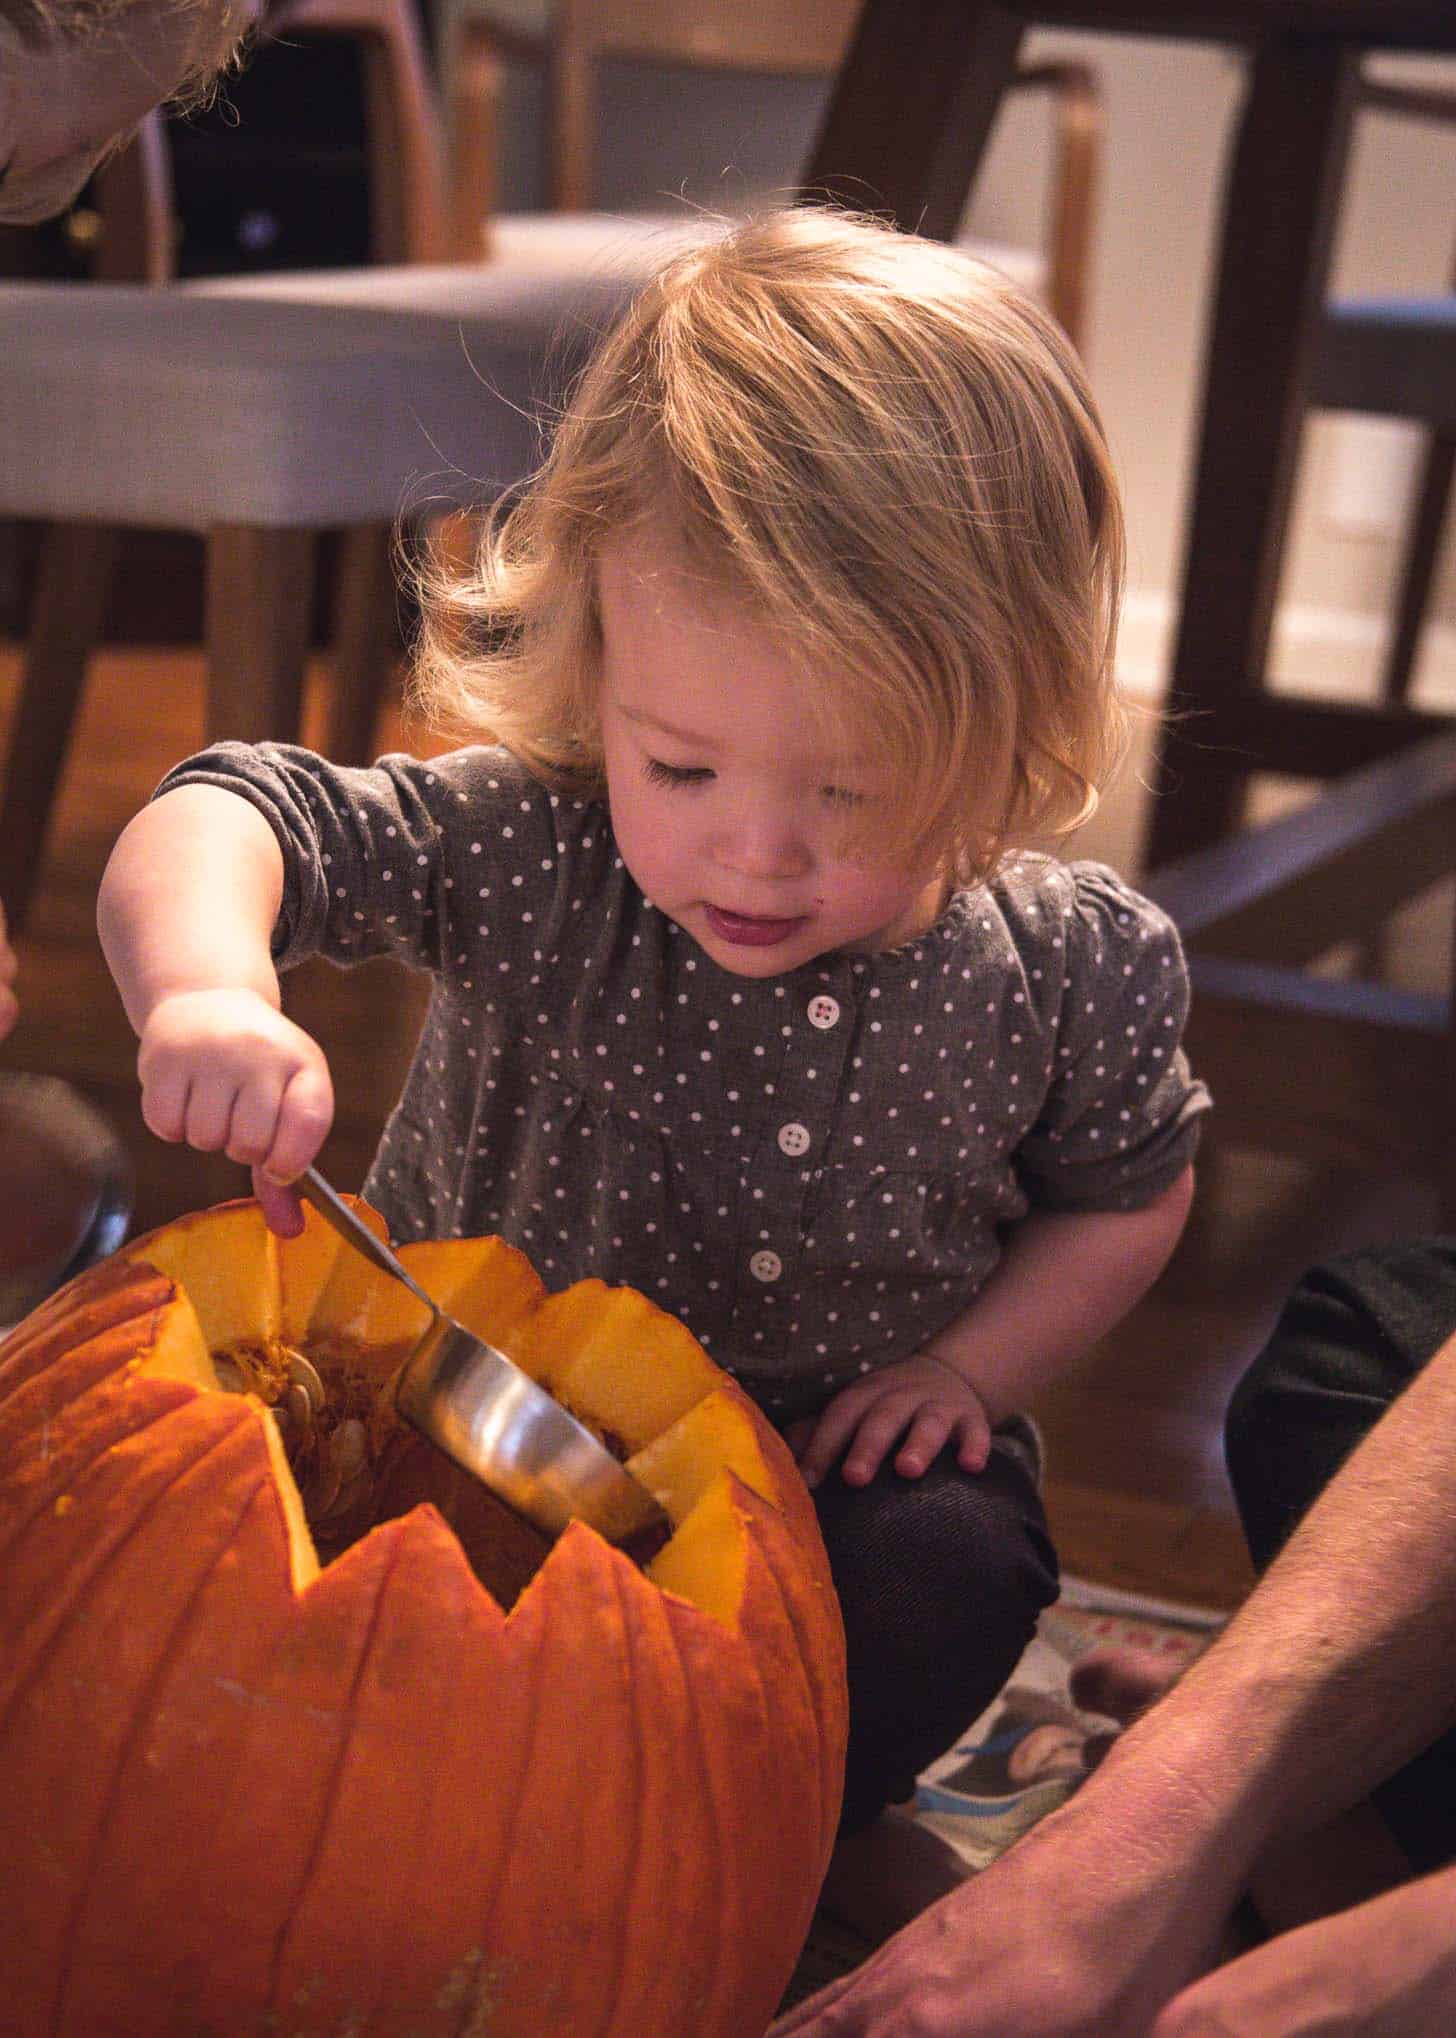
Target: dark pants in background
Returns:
[[1353, 1334]]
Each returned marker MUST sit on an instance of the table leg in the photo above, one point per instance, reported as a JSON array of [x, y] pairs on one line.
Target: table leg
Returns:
[[911, 109], [1278, 222], [259, 583]]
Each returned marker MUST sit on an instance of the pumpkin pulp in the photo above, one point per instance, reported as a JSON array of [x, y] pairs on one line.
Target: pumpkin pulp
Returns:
[[314, 1337]]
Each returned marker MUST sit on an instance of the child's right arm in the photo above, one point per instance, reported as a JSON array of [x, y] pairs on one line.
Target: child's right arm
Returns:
[[186, 913]]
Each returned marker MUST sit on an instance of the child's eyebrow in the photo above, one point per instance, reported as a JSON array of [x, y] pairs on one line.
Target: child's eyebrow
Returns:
[[688, 736]]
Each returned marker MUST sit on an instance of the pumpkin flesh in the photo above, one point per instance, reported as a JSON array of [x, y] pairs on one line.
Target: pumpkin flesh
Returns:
[[264, 1773]]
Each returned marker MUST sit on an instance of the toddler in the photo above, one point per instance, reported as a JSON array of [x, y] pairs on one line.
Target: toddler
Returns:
[[748, 987]]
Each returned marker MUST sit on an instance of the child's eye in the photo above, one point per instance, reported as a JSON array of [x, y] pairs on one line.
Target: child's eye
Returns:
[[842, 796], [659, 773]]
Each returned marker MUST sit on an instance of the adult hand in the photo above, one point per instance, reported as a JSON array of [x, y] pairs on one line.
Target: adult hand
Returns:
[[9, 968], [1386, 1969], [227, 1073], [1084, 1929], [922, 1399]]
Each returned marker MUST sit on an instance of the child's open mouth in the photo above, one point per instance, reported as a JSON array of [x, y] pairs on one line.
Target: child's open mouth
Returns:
[[746, 930]]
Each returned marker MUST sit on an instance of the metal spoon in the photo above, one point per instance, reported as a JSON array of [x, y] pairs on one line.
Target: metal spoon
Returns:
[[491, 1418]]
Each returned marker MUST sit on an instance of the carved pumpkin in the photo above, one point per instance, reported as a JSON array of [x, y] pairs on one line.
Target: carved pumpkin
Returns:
[[258, 1776]]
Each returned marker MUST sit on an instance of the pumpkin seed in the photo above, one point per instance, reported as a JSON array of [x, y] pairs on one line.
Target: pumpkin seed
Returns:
[[349, 1448], [304, 1374]]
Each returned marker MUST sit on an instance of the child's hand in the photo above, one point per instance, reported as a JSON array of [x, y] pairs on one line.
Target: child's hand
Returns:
[[9, 967], [226, 1073], [923, 1399]]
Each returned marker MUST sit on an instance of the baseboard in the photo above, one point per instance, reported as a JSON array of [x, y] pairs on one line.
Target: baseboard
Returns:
[[1316, 651]]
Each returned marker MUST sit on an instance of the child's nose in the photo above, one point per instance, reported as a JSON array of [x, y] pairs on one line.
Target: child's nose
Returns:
[[764, 841]]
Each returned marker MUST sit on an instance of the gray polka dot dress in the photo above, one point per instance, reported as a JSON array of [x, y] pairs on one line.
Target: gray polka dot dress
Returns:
[[813, 1171]]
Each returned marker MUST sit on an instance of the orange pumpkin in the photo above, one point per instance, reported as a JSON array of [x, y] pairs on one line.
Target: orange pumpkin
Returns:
[[246, 1791]]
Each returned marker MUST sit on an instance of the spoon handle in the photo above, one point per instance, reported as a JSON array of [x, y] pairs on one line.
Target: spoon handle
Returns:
[[331, 1206]]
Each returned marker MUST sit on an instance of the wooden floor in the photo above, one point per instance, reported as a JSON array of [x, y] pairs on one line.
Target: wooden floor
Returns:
[[1136, 1486]]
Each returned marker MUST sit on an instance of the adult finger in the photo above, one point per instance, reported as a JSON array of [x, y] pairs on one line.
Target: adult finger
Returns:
[[808, 2019]]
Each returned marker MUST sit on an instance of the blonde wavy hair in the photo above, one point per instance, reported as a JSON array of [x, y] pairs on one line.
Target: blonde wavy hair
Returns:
[[887, 450]]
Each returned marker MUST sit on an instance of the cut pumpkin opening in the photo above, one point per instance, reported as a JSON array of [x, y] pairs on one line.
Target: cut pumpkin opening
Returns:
[[314, 1336]]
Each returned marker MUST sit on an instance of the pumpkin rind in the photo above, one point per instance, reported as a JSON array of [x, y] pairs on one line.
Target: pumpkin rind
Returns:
[[244, 1794]]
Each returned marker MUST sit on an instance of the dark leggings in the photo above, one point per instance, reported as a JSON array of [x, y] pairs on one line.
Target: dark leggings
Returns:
[[1353, 1334], [940, 1580]]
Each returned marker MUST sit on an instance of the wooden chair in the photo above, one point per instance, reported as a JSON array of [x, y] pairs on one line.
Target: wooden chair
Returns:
[[299, 403], [137, 244], [804, 39], [1356, 362], [1340, 1071], [1344, 1070]]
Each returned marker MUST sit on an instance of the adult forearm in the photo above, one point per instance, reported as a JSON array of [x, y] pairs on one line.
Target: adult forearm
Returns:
[[189, 899], [1342, 1665], [1063, 1282]]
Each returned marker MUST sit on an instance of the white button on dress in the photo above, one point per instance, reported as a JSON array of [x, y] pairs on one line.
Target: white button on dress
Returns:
[[824, 1011], [765, 1266], [794, 1139]]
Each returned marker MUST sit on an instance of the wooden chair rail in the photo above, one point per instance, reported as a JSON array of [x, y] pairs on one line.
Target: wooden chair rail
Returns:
[[1330, 872], [485, 49], [1333, 1085], [1342, 1071]]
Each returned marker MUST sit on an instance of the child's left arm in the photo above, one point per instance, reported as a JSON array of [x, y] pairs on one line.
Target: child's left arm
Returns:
[[1064, 1280]]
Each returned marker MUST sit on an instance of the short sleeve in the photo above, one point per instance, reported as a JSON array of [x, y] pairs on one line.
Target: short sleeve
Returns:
[[1122, 1113], [407, 858]]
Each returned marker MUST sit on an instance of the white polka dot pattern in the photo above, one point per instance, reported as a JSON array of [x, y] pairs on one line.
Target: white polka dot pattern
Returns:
[[813, 1171]]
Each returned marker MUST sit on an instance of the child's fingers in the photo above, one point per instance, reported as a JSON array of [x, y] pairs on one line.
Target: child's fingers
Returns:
[[974, 1430], [209, 1112], [282, 1210], [797, 1435], [922, 1446], [305, 1113], [832, 1432], [875, 1437], [254, 1121], [164, 1102]]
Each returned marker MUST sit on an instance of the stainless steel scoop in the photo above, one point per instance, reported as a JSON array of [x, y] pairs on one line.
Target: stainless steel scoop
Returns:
[[491, 1418]]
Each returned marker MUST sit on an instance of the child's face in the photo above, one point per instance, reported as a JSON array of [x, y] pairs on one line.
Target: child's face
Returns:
[[728, 813]]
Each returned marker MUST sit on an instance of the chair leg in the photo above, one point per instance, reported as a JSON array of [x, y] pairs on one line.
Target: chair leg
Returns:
[[366, 642], [70, 601], [259, 584], [1418, 568]]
